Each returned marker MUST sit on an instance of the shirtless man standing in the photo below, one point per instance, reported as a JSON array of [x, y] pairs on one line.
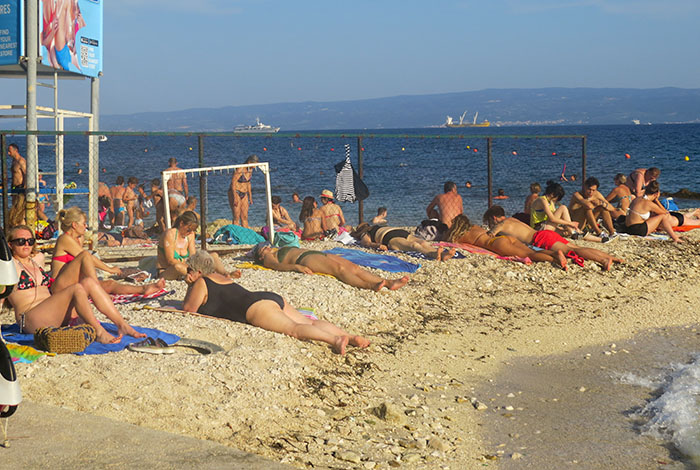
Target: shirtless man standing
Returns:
[[588, 204], [332, 213], [499, 224], [177, 182], [130, 199], [19, 169], [446, 206], [118, 208]]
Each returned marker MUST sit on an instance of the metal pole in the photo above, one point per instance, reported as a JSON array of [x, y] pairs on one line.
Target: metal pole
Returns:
[[583, 160], [266, 170], [32, 51], [488, 169], [360, 173], [94, 156], [202, 195], [3, 148]]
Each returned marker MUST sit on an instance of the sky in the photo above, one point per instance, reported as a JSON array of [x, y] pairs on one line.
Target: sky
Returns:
[[166, 55]]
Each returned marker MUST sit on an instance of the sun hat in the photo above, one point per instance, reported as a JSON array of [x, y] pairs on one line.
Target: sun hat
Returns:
[[327, 194]]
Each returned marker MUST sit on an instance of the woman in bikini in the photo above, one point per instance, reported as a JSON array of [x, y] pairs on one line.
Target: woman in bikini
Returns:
[[646, 214], [544, 215], [312, 218], [383, 238], [37, 307], [240, 195], [290, 258], [333, 217], [69, 248], [462, 231], [621, 196], [215, 295], [177, 244]]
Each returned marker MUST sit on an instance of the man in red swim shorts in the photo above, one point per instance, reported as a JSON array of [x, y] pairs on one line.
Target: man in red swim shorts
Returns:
[[498, 223]]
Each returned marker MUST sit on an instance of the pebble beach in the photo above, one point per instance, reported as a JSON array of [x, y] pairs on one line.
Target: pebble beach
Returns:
[[445, 382]]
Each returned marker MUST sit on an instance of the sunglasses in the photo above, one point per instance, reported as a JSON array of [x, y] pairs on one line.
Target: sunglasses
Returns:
[[23, 241]]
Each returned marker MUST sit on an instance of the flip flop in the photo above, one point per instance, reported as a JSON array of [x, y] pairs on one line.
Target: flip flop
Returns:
[[575, 258], [151, 346]]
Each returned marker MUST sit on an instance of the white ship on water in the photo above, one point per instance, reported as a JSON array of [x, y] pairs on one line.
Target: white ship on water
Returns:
[[258, 128]]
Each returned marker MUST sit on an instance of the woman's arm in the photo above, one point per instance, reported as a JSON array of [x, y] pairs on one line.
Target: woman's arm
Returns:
[[553, 219], [196, 296], [169, 247]]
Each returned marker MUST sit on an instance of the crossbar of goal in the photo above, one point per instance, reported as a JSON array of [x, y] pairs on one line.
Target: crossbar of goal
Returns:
[[264, 167]]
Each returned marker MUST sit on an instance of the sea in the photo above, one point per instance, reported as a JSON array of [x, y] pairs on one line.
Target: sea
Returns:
[[402, 168], [405, 168]]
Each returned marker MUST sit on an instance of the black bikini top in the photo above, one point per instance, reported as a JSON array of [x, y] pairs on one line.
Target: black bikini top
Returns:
[[27, 282]]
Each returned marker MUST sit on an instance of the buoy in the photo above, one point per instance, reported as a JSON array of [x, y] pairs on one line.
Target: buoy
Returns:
[[554, 154], [298, 148], [476, 150], [145, 150], [468, 147], [514, 152], [190, 148], [627, 155], [332, 149], [264, 149], [403, 149], [687, 158]]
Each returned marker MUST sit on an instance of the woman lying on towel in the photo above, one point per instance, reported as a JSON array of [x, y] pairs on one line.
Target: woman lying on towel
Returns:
[[646, 215], [213, 294], [69, 256], [383, 238], [462, 231], [290, 258], [176, 245], [35, 305]]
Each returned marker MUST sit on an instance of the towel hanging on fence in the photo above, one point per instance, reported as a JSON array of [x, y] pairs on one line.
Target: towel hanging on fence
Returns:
[[348, 185]]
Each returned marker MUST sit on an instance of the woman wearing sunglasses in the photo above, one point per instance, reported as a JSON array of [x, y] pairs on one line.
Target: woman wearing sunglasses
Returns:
[[67, 257], [36, 307]]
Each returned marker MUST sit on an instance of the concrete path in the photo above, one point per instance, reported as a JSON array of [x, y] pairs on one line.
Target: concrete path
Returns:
[[44, 436]]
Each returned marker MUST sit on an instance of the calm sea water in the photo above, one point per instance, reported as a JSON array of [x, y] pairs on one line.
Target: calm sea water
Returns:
[[404, 171]]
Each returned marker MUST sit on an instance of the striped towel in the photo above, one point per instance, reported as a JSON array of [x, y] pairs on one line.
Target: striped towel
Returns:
[[129, 298], [344, 181]]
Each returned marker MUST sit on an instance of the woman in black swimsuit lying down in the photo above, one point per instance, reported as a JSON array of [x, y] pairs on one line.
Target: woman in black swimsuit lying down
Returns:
[[213, 294], [289, 258], [383, 238]]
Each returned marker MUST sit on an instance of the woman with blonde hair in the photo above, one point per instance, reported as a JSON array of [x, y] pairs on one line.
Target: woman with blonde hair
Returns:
[[69, 256], [67, 303]]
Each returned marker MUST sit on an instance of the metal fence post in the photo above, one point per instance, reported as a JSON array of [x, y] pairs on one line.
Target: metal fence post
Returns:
[[583, 161], [360, 173], [202, 194], [488, 170]]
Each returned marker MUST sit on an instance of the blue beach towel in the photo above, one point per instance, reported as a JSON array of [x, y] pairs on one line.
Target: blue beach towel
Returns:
[[371, 260], [237, 235], [418, 254], [11, 334]]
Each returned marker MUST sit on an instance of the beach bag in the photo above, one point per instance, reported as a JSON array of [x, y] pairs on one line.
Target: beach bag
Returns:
[[286, 239], [669, 204], [65, 339]]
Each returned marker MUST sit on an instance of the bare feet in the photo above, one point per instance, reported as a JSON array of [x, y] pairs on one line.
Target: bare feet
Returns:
[[379, 286], [154, 287], [608, 264], [128, 330], [438, 254], [397, 283], [105, 338], [561, 261], [340, 344], [359, 341], [449, 254]]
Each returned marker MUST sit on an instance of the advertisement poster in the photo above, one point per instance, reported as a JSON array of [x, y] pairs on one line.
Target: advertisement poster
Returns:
[[70, 35], [9, 32]]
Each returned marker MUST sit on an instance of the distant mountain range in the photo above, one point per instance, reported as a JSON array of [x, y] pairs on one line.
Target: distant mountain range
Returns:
[[502, 107]]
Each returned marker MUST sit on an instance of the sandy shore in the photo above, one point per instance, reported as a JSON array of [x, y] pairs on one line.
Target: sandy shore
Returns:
[[455, 332]]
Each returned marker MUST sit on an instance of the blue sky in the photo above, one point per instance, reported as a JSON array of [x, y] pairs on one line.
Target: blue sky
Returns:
[[162, 55]]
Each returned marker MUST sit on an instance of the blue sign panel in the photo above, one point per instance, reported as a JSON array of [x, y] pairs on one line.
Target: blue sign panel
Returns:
[[71, 35], [9, 32]]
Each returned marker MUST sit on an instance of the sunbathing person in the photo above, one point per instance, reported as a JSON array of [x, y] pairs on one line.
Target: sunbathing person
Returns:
[[69, 247], [290, 258], [498, 223], [383, 238], [544, 215], [462, 231], [313, 220], [176, 245], [35, 305], [620, 197], [646, 214], [212, 294]]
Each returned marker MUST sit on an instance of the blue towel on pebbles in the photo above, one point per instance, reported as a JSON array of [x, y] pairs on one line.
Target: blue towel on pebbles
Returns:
[[371, 260], [11, 334], [418, 254], [237, 235]]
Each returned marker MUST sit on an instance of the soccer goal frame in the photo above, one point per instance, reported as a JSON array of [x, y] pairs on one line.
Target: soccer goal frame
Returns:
[[167, 175]]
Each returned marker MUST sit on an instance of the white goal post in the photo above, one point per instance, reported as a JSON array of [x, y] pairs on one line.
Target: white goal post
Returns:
[[264, 167]]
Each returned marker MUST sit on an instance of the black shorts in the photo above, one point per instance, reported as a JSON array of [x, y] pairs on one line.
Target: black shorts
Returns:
[[637, 229]]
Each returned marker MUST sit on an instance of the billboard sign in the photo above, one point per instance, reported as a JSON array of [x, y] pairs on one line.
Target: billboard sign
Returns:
[[10, 20], [70, 35]]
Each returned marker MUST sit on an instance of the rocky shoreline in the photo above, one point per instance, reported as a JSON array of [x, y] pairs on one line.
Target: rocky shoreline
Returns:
[[411, 399]]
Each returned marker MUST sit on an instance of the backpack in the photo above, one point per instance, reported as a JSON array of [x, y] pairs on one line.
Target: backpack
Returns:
[[431, 230], [286, 239]]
